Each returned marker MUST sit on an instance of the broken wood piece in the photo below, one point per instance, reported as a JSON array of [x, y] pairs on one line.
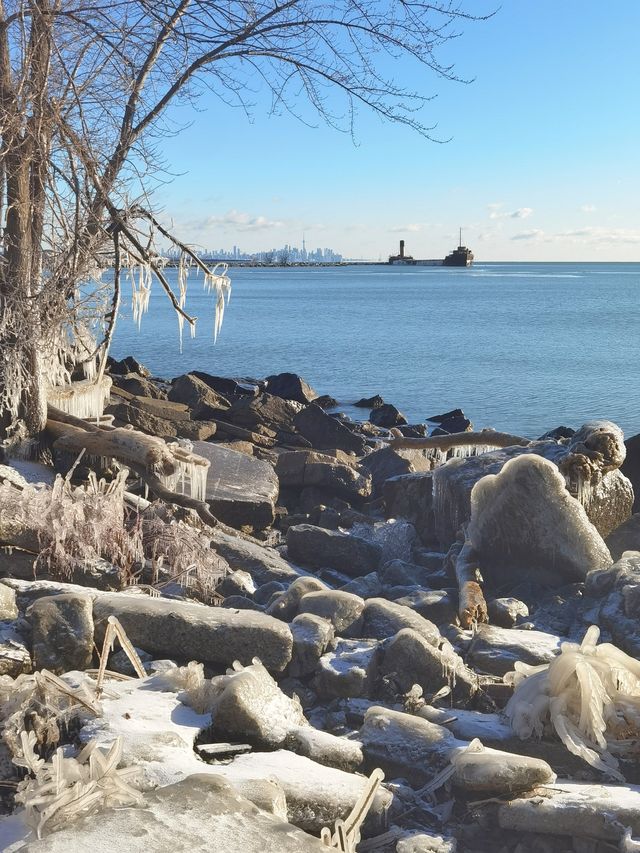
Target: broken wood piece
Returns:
[[472, 607], [115, 629]]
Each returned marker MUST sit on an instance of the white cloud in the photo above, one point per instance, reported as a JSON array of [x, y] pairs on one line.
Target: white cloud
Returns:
[[235, 220], [496, 212], [412, 227], [588, 208], [597, 235], [532, 234]]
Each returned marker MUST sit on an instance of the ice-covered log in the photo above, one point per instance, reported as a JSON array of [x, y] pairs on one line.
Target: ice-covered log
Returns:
[[524, 521]]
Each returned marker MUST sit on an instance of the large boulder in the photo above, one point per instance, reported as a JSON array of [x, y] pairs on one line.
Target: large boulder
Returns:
[[196, 632], [391, 462], [290, 386], [228, 387], [387, 416], [342, 609], [347, 670], [631, 467], [625, 538], [263, 564], [305, 468], [496, 650], [286, 605], [62, 628], [311, 637], [320, 548], [198, 396], [524, 521], [241, 491], [410, 496], [326, 433], [382, 619], [264, 410]]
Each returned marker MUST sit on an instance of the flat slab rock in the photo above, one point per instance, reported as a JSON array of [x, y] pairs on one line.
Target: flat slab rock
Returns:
[[200, 813], [241, 491], [495, 650], [195, 631]]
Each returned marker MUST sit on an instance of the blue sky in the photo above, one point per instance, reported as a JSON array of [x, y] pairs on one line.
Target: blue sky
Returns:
[[543, 162]]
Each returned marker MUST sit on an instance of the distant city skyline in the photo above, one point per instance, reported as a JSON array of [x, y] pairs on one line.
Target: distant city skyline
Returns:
[[541, 162], [284, 254]]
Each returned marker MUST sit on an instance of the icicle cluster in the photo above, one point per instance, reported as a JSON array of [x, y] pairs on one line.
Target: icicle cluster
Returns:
[[220, 284], [140, 290], [465, 450], [190, 473], [82, 399], [66, 788], [589, 695]]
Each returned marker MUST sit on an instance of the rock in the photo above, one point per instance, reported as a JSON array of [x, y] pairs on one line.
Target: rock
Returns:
[[311, 636], [287, 604], [447, 416], [610, 503], [119, 662], [165, 409], [267, 593], [316, 796], [625, 538], [127, 365], [320, 548], [495, 650], [348, 670], [143, 420], [324, 432], [425, 842], [410, 496], [438, 606], [241, 491], [200, 813], [342, 609], [326, 749], [410, 659], [304, 468], [382, 619], [134, 383], [558, 434], [237, 583], [451, 426], [250, 706], [483, 773], [263, 564], [404, 745], [265, 410], [391, 462], [290, 386], [523, 520], [402, 573], [505, 612], [631, 467], [198, 396], [370, 402], [228, 387], [241, 602], [197, 430], [8, 606], [14, 654], [198, 632], [367, 586], [62, 632], [325, 401], [386, 416]]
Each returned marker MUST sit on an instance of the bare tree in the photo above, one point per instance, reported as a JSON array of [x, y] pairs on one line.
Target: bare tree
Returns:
[[84, 90]]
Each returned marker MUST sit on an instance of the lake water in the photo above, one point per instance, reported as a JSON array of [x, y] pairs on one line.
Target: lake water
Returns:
[[520, 347]]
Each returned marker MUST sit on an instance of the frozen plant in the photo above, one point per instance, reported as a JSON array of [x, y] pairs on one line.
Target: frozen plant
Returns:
[[62, 789], [589, 695]]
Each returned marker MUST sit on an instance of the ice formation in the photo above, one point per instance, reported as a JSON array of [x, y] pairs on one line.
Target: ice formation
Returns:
[[589, 695], [140, 291], [190, 472], [85, 399], [220, 284]]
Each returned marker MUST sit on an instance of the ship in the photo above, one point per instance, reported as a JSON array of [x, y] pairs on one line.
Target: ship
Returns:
[[460, 257]]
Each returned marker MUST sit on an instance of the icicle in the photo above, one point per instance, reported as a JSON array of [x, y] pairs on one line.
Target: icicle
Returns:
[[190, 471], [141, 293], [183, 273], [82, 399], [220, 284], [450, 663], [90, 369]]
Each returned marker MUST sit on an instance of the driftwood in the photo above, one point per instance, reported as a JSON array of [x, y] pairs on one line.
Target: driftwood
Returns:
[[472, 607], [485, 437]]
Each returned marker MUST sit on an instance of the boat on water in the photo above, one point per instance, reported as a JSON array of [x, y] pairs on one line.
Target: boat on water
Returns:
[[460, 257]]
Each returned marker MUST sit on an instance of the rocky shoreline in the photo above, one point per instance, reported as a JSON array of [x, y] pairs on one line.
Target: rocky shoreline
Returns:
[[458, 614]]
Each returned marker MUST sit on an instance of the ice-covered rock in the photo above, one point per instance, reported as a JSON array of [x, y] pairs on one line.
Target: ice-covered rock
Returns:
[[325, 748], [342, 609], [523, 520], [286, 605], [505, 612], [426, 842], [410, 496], [439, 606], [8, 606], [404, 745], [320, 548], [404, 573], [367, 586], [495, 650], [200, 813], [15, 657], [195, 631], [409, 659], [348, 670], [250, 706], [311, 636], [263, 564], [382, 619], [62, 627], [481, 772]]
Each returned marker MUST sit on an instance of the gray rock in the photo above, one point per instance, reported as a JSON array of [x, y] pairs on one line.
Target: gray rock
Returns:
[[610, 503], [311, 636], [237, 583], [228, 387], [169, 411], [404, 745], [402, 573], [250, 706], [505, 612], [200, 813], [495, 650], [410, 496], [8, 606], [525, 521], [306, 468], [126, 365], [342, 609], [326, 749], [263, 564], [320, 548], [265, 410], [391, 462], [15, 658], [409, 659], [326, 433], [198, 396], [370, 402], [387, 415], [197, 632], [349, 670], [494, 773], [287, 604], [290, 386], [266, 593], [382, 619], [439, 606], [143, 420], [367, 586], [241, 491], [625, 538], [241, 602], [62, 629]]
